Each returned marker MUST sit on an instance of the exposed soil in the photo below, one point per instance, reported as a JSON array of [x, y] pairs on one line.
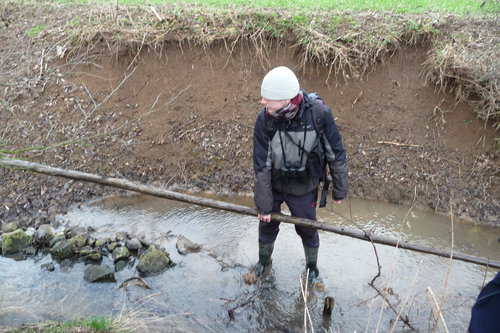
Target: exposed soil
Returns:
[[183, 119]]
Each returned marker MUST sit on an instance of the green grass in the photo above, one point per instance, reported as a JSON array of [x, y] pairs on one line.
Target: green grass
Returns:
[[95, 324], [35, 31], [399, 6]]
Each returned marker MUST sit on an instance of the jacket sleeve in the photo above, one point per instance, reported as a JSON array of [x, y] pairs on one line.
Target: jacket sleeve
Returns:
[[263, 193], [336, 157]]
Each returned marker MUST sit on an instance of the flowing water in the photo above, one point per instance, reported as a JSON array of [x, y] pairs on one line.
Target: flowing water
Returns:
[[205, 292]]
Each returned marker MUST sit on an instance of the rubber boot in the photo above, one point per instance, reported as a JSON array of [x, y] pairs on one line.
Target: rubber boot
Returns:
[[311, 261], [265, 252]]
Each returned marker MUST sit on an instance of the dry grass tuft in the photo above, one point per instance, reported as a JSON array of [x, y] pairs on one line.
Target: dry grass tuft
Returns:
[[466, 62]]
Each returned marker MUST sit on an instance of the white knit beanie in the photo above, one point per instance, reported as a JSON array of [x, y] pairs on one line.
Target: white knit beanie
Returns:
[[279, 84]]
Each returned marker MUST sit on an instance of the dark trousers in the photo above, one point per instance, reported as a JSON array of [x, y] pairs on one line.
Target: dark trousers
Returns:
[[303, 206]]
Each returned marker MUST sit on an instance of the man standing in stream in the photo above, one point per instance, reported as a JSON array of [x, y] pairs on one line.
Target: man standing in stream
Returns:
[[295, 137]]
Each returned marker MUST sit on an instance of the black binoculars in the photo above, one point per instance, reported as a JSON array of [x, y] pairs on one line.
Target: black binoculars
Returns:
[[293, 171]]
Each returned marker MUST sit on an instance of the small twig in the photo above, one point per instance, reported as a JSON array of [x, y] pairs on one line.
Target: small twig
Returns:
[[188, 131], [90, 95], [484, 277], [367, 300], [473, 168], [357, 98], [437, 192], [413, 204], [171, 178], [50, 131], [244, 303], [41, 64], [404, 318], [156, 101], [183, 168], [398, 144], [153, 9], [237, 108]]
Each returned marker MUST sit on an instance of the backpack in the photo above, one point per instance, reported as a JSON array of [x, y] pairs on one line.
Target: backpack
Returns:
[[318, 119]]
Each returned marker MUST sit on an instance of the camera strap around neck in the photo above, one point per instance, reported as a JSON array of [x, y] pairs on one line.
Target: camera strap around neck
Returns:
[[302, 149]]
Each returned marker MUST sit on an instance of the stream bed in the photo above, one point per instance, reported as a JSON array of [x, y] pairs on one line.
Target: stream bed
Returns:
[[205, 291]]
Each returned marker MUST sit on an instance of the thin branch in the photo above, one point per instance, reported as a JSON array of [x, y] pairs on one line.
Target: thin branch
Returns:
[[407, 296], [114, 90], [139, 51], [405, 318], [90, 95], [156, 101], [440, 308], [436, 309], [96, 106], [303, 290]]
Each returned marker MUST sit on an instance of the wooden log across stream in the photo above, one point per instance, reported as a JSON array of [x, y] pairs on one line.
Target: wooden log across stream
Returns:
[[162, 193]]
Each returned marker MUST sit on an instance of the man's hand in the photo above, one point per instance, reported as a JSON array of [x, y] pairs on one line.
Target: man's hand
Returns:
[[264, 218], [337, 202]]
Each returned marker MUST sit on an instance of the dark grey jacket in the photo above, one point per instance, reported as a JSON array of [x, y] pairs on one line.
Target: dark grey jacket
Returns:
[[295, 142]]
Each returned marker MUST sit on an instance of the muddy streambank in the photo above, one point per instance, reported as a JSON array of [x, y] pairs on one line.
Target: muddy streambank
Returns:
[[181, 117]]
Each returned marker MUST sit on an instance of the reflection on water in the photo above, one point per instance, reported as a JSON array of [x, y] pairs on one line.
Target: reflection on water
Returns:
[[205, 291]]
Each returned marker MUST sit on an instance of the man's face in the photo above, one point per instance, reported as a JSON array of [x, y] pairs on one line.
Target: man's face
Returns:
[[273, 106]]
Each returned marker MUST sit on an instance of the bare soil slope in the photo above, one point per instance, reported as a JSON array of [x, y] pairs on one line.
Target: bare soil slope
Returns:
[[183, 118]]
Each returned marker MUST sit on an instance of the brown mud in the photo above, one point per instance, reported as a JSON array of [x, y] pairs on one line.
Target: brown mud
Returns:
[[182, 118]]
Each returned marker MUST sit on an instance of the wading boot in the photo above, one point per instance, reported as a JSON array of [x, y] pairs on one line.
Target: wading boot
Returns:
[[265, 252], [311, 260]]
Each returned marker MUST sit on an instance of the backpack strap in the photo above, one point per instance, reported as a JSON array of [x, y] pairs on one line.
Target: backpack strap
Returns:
[[318, 117]]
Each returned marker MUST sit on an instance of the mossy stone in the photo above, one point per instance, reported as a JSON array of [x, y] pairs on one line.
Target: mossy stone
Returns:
[[153, 261], [15, 242]]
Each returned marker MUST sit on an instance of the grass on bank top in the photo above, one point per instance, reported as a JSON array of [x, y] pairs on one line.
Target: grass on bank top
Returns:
[[398, 6]]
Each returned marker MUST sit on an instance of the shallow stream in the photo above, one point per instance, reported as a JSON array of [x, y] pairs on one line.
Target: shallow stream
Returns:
[[205, 292]]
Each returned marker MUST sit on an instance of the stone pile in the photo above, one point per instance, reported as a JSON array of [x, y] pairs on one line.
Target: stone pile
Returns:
[[76, 244]]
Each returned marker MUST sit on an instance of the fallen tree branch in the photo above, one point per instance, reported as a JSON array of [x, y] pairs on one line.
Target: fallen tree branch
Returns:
[[162, 193]]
